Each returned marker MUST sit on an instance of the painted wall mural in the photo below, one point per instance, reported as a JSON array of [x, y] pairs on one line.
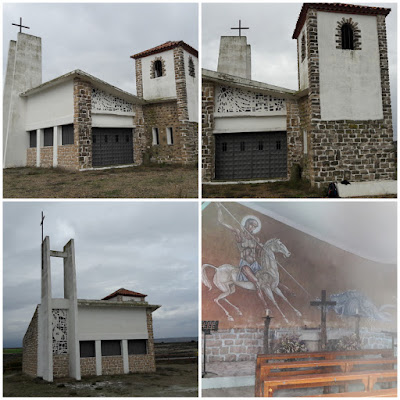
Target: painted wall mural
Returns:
[[254, 265]]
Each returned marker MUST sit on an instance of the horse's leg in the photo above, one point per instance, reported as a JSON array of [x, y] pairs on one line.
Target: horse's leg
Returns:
[[279, 293], [269, 293], [225, 292], [252, 278], [232, 289]]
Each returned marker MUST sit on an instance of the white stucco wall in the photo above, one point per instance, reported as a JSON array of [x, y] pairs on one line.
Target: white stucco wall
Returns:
[[164, 86], [250, 124], [234, 56], [303, 65], [350, 83], [111, 323], [192, 85], [51, 107], [112, 121]]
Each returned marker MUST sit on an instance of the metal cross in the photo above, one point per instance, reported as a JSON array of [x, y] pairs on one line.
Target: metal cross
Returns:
[[41, 223], [21, 26], [323, 303], [240, 28]]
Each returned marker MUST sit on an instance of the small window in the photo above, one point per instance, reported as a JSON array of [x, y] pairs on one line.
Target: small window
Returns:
[[32, 139], [260, 145], [347, 37], [191, 68], [110, 347], [278, 144], [242, 146], [116, 138], [305, 142], [156, 139], [48, 137], [87, 348], [170, 136], [303, 47], [224, 146], [137, 346], [158, 68], [68, 134]]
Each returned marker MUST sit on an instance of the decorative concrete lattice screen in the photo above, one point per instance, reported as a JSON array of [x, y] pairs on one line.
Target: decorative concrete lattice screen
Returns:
[[234, 100], [102, 101], [60, 330]]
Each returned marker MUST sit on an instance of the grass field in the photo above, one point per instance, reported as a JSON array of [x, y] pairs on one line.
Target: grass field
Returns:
[[158, 181], [173, 378], [17, 350]]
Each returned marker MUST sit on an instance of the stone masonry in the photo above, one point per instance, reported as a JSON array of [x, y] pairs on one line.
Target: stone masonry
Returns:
[[31, 157], [83, 122], [60, 365], [30, 347], [46, 157], [112, 365], [244, 344], [207, 127], [88, 366], [344, 149]]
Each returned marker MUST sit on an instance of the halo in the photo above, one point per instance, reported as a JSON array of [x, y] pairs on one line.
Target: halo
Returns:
[[252, 217]]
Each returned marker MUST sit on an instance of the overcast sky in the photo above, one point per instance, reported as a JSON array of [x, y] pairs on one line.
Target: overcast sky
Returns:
[[149, 247], [273, 51], [99, 38]]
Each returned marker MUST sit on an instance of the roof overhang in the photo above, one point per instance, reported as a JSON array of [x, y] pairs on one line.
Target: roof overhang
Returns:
[[336, 8], [96, 82], [247, 84], [167, 46]]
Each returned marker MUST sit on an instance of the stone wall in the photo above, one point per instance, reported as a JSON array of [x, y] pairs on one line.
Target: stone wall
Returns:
[[142, 363], [139, 78], [60, 365], [46, 156], [67, 157], [112, 365], [88, 366], [83, 122], [30, 346], [244, 344], [31, 157], [207, 128]]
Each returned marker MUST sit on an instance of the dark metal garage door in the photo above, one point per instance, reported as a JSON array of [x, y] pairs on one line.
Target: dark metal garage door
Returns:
[[112, 146], [250, 155]]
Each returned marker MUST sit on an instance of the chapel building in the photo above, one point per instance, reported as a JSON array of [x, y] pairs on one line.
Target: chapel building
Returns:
[[71, 337], [78, 122], [338, 124]]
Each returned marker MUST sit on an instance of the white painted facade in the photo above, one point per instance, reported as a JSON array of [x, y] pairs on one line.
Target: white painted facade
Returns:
[[235, 56], [111, 323], [350, 81], [303, 65], [164, 86], [250, 124], [192, 87]]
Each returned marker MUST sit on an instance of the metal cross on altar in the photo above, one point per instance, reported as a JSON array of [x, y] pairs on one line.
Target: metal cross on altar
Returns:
[[21, 26], [240, 28], [323, 303]]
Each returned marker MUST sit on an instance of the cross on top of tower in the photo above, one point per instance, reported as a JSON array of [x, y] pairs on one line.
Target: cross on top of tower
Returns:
[[21, 26], [240, 28]]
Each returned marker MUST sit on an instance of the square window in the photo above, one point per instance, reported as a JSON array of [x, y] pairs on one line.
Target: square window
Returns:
[[48, 137], [32, 139], [137, 346], [67, 134], [87, 348], [110, 347]]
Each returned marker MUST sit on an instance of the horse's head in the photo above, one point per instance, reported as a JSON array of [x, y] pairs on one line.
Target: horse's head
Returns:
[[277, 246]]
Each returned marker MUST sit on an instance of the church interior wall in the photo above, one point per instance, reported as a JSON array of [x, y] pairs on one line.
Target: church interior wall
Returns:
[[51, 107], [350, 84], [192, 85], [162, 87]]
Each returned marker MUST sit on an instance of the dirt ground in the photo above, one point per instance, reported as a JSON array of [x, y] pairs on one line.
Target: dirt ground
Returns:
[[173, 378], [158, 181]]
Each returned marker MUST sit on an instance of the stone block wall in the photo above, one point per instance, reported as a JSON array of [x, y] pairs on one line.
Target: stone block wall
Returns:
[[112, 365], [67, 157], [83, 122], [30, 347], [207, 128], [88, 366], [46, 157], [60, 365], [244, 344], [139, 78], [141, 142], [31, 157], [142, 363]]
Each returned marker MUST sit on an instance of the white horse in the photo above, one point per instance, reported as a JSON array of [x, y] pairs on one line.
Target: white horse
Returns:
[[226, 277]]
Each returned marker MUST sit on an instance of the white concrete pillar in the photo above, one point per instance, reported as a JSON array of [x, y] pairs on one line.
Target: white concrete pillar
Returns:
[[125, 358], [39, 142], [98, 357], [56, 140]]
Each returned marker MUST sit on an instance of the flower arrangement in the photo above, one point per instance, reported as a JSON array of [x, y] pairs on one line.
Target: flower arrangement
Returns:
[[291, 344], [347, 343]]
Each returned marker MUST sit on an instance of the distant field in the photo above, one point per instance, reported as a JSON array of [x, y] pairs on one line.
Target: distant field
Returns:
[[156, 181], [12, 351], [173, 378]]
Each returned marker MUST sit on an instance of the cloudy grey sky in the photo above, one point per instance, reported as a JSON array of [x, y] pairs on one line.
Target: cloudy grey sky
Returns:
[[274, 54], [99, 38], [146, 247]]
